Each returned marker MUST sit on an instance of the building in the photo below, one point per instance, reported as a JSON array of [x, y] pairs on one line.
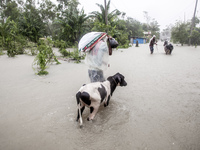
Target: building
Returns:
[[139, 39]]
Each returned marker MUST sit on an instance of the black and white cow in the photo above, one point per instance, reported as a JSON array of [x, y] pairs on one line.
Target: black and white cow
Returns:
[[92, 95]]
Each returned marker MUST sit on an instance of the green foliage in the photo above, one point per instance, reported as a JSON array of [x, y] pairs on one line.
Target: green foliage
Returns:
[[101, 27], [151, 25], [11, 10], [115, 27], [122, 38], [100, 16], [11, 40], [195, 37], [70, 23], [64, 52], [180, 33], [31, 24], [62, 45], [45, 56], [133, 27], [1, 53], [1, 48], [75, 55], [47, 11], [33, 48]]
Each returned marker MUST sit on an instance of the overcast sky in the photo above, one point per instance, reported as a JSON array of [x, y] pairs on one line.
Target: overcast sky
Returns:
[[165, 12]]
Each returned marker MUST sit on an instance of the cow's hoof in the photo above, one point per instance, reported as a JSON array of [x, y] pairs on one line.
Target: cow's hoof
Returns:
[[88, 119]]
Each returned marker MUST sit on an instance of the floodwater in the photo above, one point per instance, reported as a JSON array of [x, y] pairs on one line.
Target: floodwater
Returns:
[[159, 109]]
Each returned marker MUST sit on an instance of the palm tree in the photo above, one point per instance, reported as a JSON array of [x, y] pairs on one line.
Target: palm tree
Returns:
[[100, 16], [71, 23]]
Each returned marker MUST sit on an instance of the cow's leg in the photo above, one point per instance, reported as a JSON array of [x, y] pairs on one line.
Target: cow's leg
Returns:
[[93, 111], [78, 104], [106, 103], [82, 109]]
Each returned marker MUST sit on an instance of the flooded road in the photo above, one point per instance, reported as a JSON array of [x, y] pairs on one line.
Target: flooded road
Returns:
[[159, 109]]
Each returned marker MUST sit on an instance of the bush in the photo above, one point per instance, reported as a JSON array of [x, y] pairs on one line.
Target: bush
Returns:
[[45, 56], [11, 40], [75, 55], [62, 45], [33, 48], [64, 52]]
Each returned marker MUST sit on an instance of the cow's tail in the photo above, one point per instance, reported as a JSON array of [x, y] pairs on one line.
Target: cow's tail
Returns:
[[79, 108]]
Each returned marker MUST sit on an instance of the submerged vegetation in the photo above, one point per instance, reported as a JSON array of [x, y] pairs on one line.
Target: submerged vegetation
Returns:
[[45, 56]]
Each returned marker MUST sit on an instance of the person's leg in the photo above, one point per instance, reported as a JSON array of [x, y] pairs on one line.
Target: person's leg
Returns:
[[100, 76], [151, 49], [92, 75], [96, 76]]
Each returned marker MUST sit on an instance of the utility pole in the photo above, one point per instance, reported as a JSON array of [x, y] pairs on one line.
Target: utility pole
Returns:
[[193, 22], [184, 17], [106, 15]]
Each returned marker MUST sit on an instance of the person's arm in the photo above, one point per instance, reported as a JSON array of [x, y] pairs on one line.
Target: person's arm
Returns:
[[155, 42]]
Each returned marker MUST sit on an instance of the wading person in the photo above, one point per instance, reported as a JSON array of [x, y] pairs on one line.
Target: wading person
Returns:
[[151, 43], [98, 46]]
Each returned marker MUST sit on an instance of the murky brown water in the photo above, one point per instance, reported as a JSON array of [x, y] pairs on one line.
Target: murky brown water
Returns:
[[158, 110]]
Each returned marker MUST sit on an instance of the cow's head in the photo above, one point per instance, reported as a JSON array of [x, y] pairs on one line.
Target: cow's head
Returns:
[[119, 78]]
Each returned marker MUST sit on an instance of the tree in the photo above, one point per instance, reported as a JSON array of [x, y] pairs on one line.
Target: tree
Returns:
[[71, 23], [48, 12], [12, 41], [180, 33], [151, 25], [134, 27], [115, 27], [11, 10], [154, 28], [101, 18], [195, 36], [62, 4], [31, 24]]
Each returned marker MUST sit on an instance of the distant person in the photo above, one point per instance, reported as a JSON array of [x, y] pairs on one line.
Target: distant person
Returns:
[[151, 43], [137, 44]]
